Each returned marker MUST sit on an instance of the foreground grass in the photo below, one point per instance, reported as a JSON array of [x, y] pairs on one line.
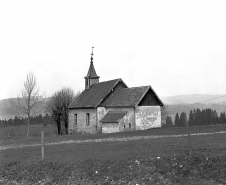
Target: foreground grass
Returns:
[[36, 129], [153, 161], [199, 169]]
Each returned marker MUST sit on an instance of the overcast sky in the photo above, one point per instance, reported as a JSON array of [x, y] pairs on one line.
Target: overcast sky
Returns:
[[177, 47]]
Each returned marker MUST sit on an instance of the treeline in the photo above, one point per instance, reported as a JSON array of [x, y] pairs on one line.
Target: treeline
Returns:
[[17, 121], [197, 117]]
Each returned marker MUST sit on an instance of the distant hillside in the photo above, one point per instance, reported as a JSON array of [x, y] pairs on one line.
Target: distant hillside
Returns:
[[181, 103], [193, 98], [171, 110], [174, 104], [6, 110]]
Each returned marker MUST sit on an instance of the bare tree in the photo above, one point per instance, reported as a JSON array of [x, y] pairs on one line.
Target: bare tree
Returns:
[[29, 102], [54, 107], [58, 106], [67, 96]]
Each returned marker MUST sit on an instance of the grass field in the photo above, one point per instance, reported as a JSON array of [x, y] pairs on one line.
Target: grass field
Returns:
[[149, 161], [50, 133], [21, 131]]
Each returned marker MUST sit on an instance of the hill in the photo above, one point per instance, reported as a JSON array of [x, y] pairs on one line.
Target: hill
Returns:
[[171, 110], [182, 103], [193, 98], [174, 104], [6, 109]]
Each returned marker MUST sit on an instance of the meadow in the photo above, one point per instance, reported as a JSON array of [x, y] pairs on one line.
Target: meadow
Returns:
[[21, 131], [144, 161]]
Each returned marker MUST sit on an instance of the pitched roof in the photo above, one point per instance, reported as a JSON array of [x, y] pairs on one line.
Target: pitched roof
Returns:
[[92, 97], [113, 117], [129, 97], [91, 73]]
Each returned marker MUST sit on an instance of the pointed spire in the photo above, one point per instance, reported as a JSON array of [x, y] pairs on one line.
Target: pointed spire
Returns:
[[91, 77], [91, 72]]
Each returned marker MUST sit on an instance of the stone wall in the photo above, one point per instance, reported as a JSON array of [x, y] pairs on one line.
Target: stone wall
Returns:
[[142, 118], [127, 123], [148, 117], [81, 126], [110, 127], [128, 119], [101, 112]]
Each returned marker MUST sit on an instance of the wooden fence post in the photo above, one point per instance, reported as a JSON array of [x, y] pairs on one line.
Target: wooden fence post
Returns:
[[189, 140], [42, 144]]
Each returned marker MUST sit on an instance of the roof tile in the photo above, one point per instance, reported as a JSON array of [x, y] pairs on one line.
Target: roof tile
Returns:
[[127, 97], [92, 97], [113, 117]]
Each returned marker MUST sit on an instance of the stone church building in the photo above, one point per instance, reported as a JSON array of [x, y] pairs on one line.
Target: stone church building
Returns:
[[111, 106]]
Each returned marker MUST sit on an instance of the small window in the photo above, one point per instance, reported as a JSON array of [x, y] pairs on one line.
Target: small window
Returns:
[[87, 119], [124, 126], [75, 119], [129, 125], [86, 82]]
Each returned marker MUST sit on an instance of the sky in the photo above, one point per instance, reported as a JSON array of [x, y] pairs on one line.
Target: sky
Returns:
[[177, 47]]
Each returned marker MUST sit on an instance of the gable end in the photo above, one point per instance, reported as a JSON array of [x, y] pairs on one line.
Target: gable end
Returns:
[[150, 99]]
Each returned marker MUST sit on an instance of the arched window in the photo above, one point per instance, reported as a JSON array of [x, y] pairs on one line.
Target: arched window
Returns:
[[124, 126], [129, 125]]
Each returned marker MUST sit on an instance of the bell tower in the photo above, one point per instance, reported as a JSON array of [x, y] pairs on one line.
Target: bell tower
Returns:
[[91, 77]]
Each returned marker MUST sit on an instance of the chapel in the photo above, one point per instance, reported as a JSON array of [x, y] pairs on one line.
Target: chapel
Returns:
[[112, 106]]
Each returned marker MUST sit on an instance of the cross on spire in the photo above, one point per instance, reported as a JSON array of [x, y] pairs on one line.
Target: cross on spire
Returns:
[[92, 55]]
